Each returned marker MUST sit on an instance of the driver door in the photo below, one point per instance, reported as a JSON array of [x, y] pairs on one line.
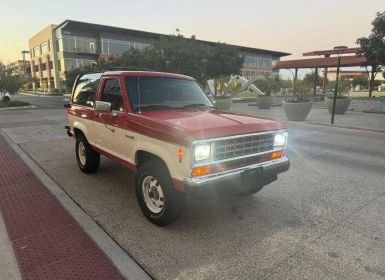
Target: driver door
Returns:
[[109, 127]]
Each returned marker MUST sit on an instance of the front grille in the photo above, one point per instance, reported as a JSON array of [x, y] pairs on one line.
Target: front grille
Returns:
[[243, 145]]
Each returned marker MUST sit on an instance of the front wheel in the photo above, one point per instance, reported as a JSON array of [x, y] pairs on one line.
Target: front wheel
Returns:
[[88, 160], [160, 202]]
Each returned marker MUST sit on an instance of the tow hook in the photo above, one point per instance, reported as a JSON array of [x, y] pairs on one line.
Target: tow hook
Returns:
[[69, 133]]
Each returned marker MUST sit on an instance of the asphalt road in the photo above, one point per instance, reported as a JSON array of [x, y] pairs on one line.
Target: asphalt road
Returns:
[[323, 219]]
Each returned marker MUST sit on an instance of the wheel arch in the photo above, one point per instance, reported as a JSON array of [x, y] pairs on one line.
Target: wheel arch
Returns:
[[80, 128]]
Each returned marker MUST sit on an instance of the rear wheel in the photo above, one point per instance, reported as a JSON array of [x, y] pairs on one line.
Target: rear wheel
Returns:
[[88, 160], [160, 202], [6, 99]]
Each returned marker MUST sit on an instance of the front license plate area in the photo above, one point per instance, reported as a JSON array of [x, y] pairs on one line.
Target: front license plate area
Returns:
[[251, 176]]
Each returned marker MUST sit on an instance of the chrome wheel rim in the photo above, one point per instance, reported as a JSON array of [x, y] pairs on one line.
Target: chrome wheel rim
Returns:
[[153, 194], [82, 153]]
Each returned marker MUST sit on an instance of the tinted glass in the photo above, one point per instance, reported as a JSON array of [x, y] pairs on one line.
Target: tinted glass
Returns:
[[113, 94], [157, 93], [85, 91]]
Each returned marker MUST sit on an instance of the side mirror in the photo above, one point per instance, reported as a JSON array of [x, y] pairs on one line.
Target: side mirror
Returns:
[[103, 107]]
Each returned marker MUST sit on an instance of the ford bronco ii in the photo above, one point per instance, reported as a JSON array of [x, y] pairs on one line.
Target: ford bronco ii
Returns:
[[164, 128]]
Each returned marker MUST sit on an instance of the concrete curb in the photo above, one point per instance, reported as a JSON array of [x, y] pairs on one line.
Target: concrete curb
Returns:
[[17, 108], [40, 94], [123, 262]]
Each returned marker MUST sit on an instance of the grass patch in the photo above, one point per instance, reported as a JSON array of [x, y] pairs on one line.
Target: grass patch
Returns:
[[366, 94], [14, 103], [245, 94]]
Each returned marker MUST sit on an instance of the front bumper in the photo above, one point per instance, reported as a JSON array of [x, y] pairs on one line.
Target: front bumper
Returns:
[[268, 168]]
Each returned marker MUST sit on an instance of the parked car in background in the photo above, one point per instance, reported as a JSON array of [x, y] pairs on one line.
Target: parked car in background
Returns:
[[381, 87], [5, 96]]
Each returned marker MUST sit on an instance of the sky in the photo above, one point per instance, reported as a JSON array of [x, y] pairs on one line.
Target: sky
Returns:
[[295, 26]]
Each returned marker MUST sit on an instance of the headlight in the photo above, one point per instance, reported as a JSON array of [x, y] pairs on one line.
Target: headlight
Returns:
[[280, 140], [202, 152]]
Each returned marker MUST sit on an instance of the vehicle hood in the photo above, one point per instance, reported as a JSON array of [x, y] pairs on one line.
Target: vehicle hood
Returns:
[[202, 124]]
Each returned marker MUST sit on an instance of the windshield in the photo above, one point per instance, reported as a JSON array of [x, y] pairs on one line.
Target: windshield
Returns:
[[159, 93]]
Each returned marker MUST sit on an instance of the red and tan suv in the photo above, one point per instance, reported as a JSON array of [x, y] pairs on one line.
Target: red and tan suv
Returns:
[[165, 129]]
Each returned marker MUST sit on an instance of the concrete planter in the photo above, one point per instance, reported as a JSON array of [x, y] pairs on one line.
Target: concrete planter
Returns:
[[223, 104], [264, 102], [296, 111], [342, 105]]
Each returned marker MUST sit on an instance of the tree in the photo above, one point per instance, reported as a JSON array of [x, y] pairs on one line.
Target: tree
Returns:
[[373, 48], [343, 86], [187, 56], [309, 79], [360, 80], [7, 82], [269, 85]]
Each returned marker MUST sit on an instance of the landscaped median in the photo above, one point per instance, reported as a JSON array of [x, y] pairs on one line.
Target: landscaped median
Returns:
[[14, 103]]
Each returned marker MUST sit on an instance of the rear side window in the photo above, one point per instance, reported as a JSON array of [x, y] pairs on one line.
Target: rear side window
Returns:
[[85, 90]]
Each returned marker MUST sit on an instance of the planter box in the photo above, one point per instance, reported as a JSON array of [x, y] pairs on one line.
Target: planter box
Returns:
[[342, 105], [264, 102], [296, 111], [223, 104]]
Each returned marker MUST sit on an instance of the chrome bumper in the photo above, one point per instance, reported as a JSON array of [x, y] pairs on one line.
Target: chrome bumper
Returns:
[[272, 167]]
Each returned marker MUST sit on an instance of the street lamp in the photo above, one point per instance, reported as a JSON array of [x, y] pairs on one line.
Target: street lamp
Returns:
[[339, 50], [24, 64]]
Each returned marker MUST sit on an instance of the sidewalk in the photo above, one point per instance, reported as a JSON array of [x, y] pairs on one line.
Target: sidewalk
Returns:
[[47, 241]]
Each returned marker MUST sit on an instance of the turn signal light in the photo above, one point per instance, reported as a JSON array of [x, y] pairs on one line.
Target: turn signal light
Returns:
[[180, 154], [276, 155], [199, 171]]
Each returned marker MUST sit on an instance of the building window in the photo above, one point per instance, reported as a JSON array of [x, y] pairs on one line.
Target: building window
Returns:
[[250, 61], [118, 47], [70, 63], [36, 51], [84, 45], [44, 48], [68, 44], [59, 65]]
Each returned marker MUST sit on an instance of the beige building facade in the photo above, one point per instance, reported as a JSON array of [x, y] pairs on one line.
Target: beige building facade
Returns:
[[21, 68], [72, 44], [43, 59]]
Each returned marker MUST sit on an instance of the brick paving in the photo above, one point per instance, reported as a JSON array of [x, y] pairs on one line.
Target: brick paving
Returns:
[[47, 241]]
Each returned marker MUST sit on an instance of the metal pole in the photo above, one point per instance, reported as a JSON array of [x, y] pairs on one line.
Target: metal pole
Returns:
[[315, 81], [24, 66], [336, 88]]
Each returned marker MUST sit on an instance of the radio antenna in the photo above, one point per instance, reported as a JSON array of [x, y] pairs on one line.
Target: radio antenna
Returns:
[[139, 101]]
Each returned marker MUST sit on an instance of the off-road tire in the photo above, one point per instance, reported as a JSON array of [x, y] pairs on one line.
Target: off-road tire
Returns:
[[174, 200], [91, 157]]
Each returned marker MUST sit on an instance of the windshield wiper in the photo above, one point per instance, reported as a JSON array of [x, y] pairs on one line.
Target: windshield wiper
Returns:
[[156, 107], [195, 105]]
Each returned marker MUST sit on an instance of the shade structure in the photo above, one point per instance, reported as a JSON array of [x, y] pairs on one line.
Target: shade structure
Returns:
[[322, 62]]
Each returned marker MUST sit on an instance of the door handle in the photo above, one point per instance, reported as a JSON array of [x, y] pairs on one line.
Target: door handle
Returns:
[[105, 125]]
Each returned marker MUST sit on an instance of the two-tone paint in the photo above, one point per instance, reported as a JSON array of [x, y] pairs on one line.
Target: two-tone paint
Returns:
[[123, 135]]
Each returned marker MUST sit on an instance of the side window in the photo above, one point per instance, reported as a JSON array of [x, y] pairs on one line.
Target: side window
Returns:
[[113, 94], [85, 90]]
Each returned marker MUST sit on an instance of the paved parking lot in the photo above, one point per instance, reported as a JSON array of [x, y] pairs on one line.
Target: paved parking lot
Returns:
[[322, 219]]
